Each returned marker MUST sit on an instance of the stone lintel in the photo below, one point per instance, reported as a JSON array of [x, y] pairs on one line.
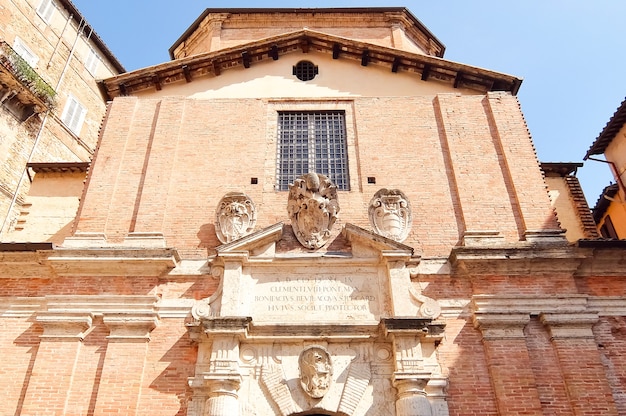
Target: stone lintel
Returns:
[[64, 325], [130, 326], [486, 238], [570, 325], [501, 326]]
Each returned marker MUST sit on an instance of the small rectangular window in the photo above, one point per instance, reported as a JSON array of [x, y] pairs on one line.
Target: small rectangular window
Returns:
[[45, 10], [91, 61], [73, 115], [312, 142], [24, 51]]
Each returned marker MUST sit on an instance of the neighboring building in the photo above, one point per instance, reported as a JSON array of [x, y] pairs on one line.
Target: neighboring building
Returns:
[[51, 110], [610, 209], [568, 201], [312, 212]]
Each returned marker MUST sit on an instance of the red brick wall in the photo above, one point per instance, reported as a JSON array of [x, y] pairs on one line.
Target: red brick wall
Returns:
[[164, 164]]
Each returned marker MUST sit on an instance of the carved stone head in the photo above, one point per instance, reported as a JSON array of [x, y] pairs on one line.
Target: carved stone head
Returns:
[[390, 214], [316, 371], [313, 209], [235, 217]]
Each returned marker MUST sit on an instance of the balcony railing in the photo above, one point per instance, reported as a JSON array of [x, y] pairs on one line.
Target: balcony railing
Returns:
[[26, 75]]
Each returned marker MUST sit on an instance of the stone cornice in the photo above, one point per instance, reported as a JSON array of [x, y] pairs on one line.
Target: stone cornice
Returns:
[[519, 259], [302, 41]]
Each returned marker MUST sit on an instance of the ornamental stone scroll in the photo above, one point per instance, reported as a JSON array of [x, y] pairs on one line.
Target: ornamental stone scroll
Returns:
[[235, 217], [390, 214]]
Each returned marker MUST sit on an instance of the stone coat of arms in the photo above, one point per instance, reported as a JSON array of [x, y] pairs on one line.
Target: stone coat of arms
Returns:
[[235, 217], [390, 214], [313, 209], [316, 371]]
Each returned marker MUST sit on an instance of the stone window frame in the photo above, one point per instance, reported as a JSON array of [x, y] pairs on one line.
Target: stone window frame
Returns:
[[308, 105]]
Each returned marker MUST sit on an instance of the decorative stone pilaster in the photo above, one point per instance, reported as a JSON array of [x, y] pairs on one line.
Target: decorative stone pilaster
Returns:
[[414, 343], [218, 377], [513, 380], [53, 373], [580, 362]]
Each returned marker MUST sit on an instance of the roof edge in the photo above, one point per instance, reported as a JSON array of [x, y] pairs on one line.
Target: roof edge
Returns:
[[78, 16], [606, 136]]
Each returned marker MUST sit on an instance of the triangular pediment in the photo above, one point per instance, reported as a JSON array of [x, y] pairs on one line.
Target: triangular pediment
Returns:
[[366, 242], [361, 54], [258, 243]]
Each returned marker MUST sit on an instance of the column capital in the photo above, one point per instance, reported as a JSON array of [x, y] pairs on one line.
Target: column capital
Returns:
[[129, 326], [59, 325], [570, 325], [501, 325]]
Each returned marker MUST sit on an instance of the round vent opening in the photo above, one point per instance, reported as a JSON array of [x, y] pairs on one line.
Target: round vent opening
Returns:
[[305, 70]]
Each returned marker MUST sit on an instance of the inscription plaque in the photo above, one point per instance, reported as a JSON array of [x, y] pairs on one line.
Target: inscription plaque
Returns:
[[336, 297]]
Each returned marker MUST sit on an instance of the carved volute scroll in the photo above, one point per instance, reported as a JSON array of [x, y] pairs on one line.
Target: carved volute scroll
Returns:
[[235, 217], [390, 214], [313, 209], [316, 371]]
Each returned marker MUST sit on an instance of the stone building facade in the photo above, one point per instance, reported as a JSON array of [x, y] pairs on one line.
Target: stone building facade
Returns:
[[312, 212], [51, 110]]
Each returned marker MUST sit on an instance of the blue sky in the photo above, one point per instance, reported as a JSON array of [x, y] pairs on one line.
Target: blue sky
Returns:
[[570, 53]]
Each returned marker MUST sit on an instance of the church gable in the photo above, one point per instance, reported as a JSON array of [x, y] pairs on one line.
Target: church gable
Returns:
[[305, 43]]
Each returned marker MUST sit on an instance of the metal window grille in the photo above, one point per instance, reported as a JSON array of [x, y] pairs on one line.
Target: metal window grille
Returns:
[[312, 142], [305, 70]]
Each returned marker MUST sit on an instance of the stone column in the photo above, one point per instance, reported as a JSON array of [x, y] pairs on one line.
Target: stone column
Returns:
[[580, 362], [509, 362], [414, 362], [411, 399], [217, 376], [57, 356], [124, 362], [223, 398]]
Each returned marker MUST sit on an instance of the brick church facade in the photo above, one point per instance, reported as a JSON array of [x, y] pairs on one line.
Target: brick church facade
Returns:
[[312, 212]]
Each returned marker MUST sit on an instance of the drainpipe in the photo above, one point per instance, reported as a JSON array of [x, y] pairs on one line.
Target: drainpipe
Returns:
[[81, 26], [620, 183]]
